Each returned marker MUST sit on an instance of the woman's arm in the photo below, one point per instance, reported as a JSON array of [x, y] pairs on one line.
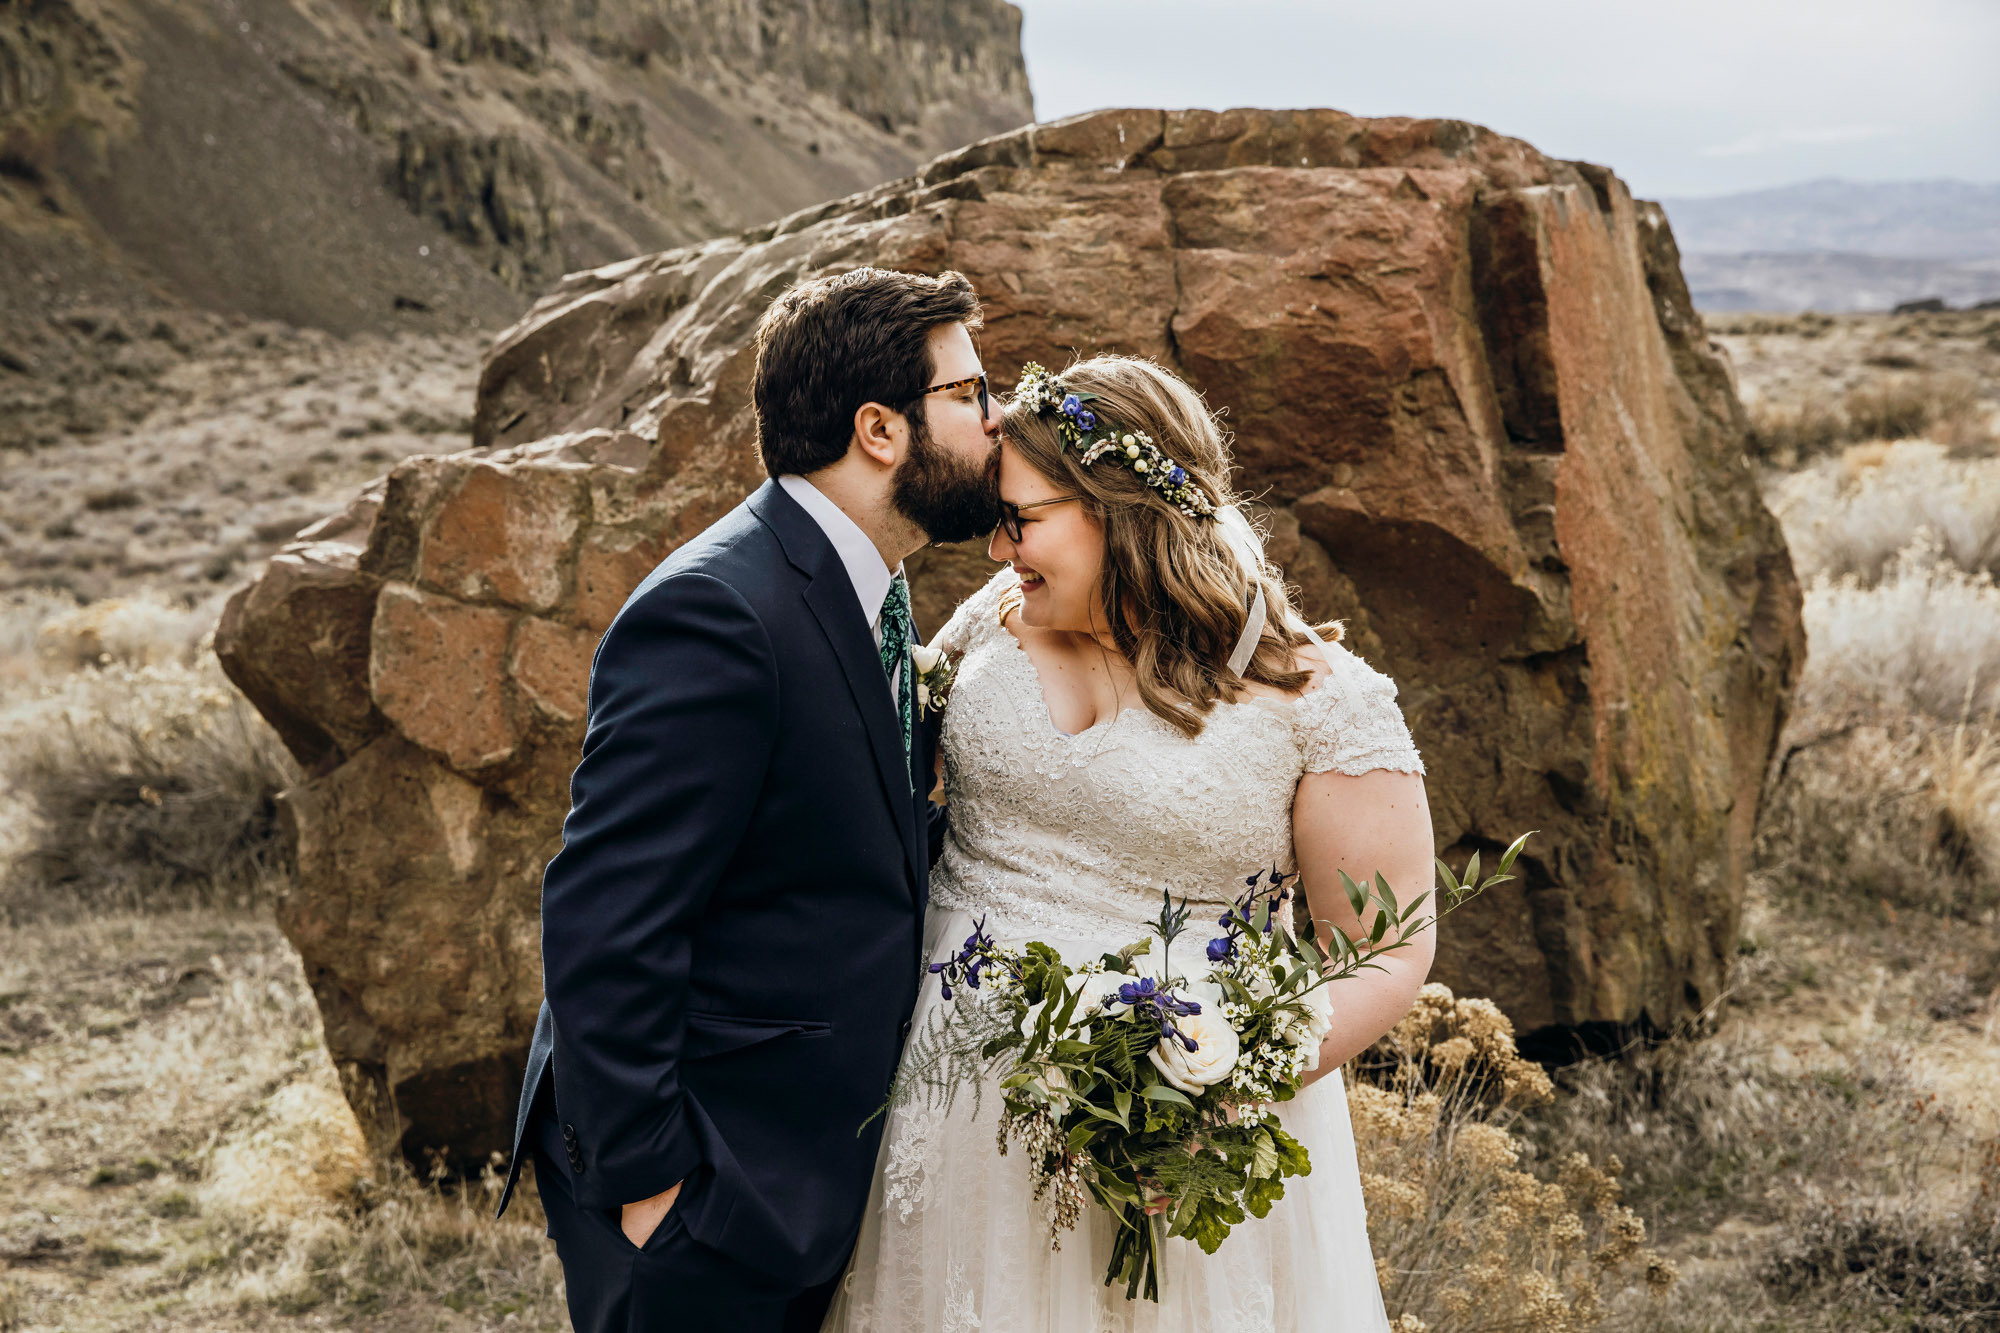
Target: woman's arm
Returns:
[[1375, 822]]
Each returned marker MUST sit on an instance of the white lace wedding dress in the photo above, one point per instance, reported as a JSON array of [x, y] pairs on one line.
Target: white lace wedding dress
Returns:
[[1070, 839]]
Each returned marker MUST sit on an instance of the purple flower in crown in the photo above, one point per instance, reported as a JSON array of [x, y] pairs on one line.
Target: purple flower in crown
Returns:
[[1176, 475], [1071, 405], [1087, 420]]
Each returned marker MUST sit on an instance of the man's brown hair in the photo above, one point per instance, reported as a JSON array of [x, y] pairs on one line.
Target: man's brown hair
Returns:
[[831, 344]]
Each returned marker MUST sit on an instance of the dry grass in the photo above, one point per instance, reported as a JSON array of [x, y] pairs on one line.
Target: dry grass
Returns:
[[1946, 409], [174, 1148], [1815, 383], [178, 1153], [135, 773], [1855, 513]]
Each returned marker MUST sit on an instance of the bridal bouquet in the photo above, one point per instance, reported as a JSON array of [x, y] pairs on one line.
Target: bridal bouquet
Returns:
[[1141, 1081]]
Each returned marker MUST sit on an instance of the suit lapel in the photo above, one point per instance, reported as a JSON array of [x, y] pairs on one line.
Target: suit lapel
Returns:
[[829, 594]]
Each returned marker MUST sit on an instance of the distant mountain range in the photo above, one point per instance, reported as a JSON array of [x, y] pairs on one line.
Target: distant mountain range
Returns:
[[1836, 245]]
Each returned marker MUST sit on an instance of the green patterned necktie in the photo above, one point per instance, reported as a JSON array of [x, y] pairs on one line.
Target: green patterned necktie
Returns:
[[896, 633]]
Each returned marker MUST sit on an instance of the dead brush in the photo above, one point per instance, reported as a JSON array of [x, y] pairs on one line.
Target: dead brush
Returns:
[[1946, 409], [1899, 811], [1466, 1240], [1854, 514], [150, 786], [1935, 1269], [356, 1244]]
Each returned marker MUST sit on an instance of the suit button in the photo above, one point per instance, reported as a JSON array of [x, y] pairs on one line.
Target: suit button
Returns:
[[903, 1033], [569, 1134]]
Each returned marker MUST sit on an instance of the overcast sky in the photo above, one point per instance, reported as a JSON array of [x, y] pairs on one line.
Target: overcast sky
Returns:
[[1679, 97]]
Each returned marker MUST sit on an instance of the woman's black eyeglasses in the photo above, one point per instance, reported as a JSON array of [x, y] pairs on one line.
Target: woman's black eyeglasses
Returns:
[[985, 407], [1010, 514]]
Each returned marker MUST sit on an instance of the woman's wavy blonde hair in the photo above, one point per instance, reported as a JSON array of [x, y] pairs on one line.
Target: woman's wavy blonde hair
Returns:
[[1174, 591]]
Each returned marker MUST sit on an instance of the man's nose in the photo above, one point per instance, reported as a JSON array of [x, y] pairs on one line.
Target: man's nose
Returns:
[[998, 547]]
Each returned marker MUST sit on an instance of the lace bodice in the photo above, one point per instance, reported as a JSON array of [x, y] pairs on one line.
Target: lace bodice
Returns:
[[1075, 836]]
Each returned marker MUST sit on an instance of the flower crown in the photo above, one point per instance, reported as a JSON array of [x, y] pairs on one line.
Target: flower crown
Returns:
[[1078, 427]]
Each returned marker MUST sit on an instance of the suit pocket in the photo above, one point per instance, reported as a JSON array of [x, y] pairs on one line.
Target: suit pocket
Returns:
[[710, 1035]]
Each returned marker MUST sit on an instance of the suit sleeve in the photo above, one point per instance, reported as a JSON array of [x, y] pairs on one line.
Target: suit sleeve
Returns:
[[683, 718]]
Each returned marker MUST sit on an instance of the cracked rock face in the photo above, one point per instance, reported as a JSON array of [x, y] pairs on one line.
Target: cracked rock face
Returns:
[[1485, 424]]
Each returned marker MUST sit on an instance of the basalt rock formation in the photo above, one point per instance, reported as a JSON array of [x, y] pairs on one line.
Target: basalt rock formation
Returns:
[[431, 164], [1485, 424]]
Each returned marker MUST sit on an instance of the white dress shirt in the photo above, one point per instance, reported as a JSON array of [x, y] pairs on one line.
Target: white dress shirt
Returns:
[[865, 569]]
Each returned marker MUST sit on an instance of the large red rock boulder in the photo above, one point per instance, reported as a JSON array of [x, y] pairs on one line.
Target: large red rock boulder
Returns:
[[1465, 379]]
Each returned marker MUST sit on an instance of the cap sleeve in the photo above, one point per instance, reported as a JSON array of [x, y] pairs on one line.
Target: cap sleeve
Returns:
[[1350, 723], [978, 616]]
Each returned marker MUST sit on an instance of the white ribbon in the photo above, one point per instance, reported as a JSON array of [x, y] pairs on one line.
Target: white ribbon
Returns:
[[1248, 548]]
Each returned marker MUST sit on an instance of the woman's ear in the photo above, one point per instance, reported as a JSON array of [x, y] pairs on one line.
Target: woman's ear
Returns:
[[880, 433]]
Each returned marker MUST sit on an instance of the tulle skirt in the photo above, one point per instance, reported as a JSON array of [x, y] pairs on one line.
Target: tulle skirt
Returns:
[[953, 1239]]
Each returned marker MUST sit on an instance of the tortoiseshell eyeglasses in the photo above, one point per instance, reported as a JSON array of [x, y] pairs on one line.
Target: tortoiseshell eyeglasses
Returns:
[[985, 400]]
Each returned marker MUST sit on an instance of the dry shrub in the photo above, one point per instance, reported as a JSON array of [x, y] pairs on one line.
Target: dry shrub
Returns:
[[1936, 1270], [1900, 811], [1466, 1239], [1718, 1129], [1853, 515], [142, 786], [1943, 408], [1783, 434], [1923, 641]]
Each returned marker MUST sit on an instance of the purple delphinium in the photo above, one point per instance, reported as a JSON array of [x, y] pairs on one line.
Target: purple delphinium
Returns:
[[1159, 1006], [963, 967]]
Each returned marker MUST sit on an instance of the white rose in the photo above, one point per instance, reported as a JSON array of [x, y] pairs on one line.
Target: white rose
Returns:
[[1319, 1021], [1094, 988], [926, 657], [1214, 1054], [1054, 1084], [1032, 1017]]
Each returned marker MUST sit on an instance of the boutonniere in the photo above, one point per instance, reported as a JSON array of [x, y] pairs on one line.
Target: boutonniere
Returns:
[[934, 669]]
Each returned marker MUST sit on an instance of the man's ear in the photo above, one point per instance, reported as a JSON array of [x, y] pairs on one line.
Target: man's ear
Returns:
[[880, 433]]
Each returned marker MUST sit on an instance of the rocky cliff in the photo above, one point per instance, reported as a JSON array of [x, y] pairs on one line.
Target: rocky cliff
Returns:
[[1486, 425], [393, 164]]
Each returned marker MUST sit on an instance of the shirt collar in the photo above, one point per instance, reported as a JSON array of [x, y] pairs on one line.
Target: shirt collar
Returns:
[[865, 570]]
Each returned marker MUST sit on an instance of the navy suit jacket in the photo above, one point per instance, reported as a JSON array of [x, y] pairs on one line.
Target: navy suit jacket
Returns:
[[732, 932]]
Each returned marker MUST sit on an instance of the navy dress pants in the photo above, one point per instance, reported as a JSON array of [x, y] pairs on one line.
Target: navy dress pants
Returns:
[[671, 1284]]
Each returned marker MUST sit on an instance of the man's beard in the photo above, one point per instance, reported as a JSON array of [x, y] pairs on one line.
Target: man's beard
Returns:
[[950, 499]]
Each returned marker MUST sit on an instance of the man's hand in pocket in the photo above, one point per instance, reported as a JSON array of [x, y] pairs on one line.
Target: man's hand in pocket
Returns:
[[639, 1220]]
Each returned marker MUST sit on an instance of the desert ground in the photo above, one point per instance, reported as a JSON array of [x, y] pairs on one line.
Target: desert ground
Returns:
[[1821, 1153]]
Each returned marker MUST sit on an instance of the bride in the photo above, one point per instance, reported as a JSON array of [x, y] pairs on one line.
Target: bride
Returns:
[[1139, 707]]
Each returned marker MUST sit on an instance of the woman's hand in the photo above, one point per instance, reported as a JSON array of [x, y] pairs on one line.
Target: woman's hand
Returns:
[[1376, 822]]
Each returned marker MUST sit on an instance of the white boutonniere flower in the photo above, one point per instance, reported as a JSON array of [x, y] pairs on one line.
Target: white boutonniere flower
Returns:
[[933, 668]]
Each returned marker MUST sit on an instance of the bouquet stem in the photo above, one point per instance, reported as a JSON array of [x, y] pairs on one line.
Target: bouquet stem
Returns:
[[1135, 1253]]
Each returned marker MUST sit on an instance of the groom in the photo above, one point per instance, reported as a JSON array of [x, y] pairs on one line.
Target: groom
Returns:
[[732, 932]]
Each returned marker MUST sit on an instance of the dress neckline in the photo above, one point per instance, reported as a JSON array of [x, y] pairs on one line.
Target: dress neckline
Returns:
[[1033, 680]]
